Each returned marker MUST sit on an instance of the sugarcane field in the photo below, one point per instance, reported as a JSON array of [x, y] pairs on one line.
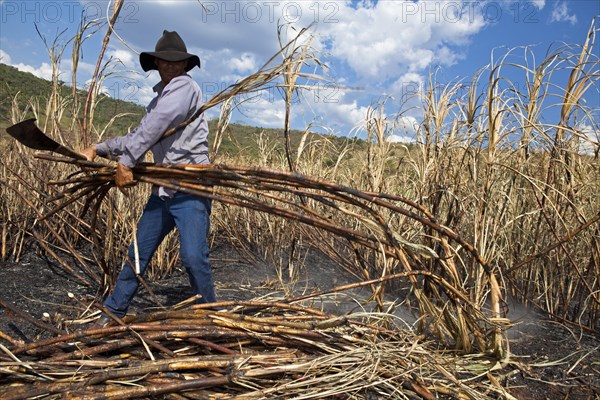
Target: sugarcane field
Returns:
[[462, 265]]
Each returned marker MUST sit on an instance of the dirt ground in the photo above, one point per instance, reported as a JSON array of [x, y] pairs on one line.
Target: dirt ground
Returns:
[[548, 360]]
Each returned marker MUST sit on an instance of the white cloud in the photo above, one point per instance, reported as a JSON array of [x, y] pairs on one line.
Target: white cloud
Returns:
[[400, 139], [144, 94], [128, 89], [44, 71], [350, 113], [539, 4], [384, 39], [126, 57], [4, 57], [262, 111], [377, 40], [403, 129], [524, 4], [589, 140], [342, 114], [207, 25], [406, 91], [511, 5], [560, 13], [245, 63], [447, 56]]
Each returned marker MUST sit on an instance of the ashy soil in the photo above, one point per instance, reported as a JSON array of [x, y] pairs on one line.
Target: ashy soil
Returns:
[[548, 360]]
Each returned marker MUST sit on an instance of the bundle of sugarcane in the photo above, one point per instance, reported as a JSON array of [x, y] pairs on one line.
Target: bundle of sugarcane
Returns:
[[246, 350], [324, 205]]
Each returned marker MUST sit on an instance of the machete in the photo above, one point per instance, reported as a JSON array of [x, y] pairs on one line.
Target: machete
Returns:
[[28, 134]]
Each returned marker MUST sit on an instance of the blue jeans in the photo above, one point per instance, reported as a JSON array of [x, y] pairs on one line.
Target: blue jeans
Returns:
[[191, 215]]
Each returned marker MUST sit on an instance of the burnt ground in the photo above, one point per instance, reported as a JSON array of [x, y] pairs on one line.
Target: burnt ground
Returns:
[[548, 360]]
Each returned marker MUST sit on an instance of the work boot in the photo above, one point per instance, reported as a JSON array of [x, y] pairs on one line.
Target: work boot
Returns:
[[101, 322]]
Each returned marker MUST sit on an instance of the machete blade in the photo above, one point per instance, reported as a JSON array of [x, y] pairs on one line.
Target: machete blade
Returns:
[[28, 134]]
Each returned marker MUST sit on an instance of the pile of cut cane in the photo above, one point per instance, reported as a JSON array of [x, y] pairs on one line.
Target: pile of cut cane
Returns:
[[245, 350]]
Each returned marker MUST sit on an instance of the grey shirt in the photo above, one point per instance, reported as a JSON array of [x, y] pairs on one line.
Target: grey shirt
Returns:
[[174, 104]]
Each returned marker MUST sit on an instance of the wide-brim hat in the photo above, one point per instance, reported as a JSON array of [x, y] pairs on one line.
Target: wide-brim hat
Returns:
[[170, 47]]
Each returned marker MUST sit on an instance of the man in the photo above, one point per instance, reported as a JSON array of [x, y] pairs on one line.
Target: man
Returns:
[[178, 97]]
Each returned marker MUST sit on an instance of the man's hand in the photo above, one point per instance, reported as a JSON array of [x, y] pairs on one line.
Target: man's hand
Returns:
[[89, 153], [124, 176]]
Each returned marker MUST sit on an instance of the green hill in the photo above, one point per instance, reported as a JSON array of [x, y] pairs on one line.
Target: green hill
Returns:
[[239, 139], [27, 87]]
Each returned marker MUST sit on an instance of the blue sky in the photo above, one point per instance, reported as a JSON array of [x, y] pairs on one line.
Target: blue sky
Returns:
[[376, 49]]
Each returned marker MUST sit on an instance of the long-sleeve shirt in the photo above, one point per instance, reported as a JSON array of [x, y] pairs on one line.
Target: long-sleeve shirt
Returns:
[[174, 104]]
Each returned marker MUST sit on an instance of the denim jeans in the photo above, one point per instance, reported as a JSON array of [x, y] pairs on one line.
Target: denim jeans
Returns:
[[191, 215]]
